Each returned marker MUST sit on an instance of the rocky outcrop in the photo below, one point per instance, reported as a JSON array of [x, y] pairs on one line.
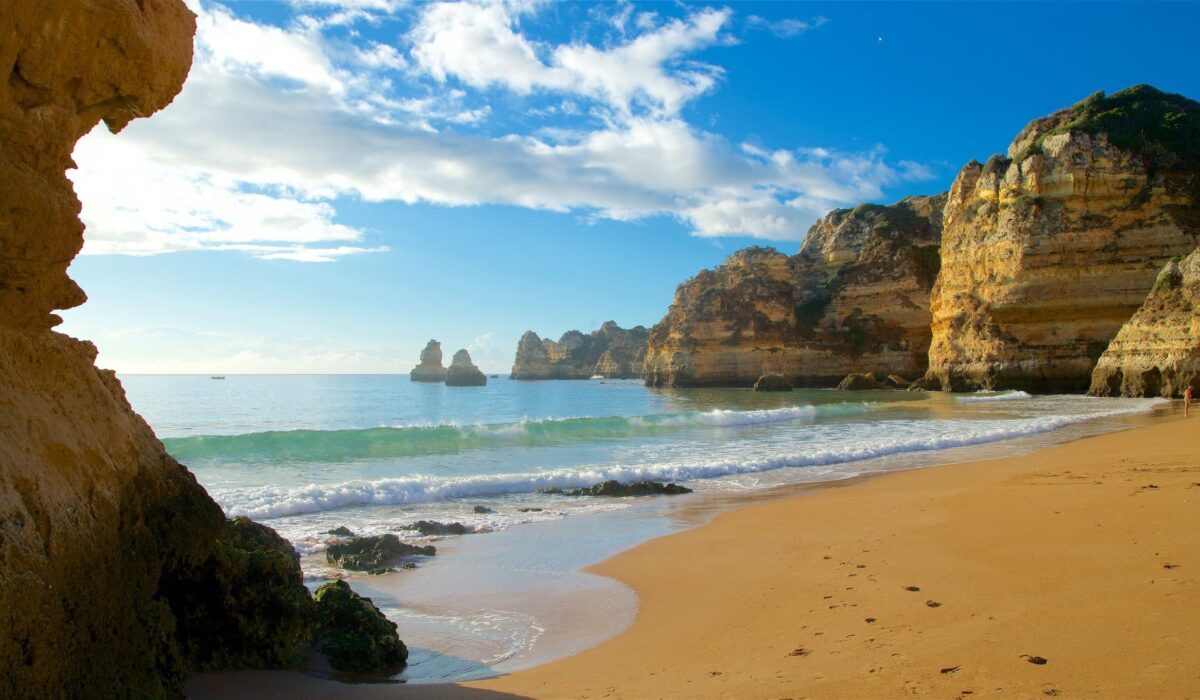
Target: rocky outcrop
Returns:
[[854, 299], [1157, 352], [353, 634], [1048, 250], [611, 351], [373, 552], [430, 369], [118, 573], [430, 528], [863, 382], [773, 382], [463, 372]]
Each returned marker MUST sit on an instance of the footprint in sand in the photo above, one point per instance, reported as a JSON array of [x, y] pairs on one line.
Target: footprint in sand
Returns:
[[912, 589], [933, 604]]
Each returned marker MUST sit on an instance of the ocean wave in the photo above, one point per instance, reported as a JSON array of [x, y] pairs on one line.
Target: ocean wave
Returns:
[[1006, 396], [268, 502], [413, 441]]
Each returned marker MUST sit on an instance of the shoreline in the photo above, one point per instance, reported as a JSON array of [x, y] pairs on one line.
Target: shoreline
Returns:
[[649, 567]]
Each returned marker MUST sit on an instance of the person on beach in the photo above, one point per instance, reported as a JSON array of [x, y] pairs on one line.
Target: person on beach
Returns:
[[1187, 400]]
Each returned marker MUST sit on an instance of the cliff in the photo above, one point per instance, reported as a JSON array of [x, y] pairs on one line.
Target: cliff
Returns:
[[1157, 352], [855, 298], [1049, 250], [430, 369], [109, 550], [611, 351]]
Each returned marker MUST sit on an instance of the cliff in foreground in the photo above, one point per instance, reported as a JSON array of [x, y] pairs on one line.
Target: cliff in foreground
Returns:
[[118, 573], [610, 351]]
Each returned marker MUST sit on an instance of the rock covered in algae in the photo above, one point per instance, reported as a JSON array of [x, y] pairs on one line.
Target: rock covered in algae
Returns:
[[354, 634]]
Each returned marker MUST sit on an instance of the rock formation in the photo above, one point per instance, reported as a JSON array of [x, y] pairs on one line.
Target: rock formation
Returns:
[[463, 372], [1157, 352], [611, 351], [430, 369], [118, 573], [1049, 250], [373, 552], [773, 382], [854, 299], [615, 489], [354, 635]]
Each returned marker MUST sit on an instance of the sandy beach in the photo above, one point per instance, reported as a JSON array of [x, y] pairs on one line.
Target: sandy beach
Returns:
[[1067, 572]]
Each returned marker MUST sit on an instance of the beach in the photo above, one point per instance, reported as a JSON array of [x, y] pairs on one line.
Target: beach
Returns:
[[1069, 571]]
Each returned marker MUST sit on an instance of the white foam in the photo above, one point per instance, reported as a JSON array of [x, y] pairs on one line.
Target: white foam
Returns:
[[1006, 396], [266, 502]]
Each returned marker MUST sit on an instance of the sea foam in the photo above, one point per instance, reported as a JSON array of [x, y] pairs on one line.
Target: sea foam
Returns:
[[266, 502]]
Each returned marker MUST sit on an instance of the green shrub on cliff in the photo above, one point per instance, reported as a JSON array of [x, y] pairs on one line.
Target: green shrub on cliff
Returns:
[[353, 633], [1163, 127]]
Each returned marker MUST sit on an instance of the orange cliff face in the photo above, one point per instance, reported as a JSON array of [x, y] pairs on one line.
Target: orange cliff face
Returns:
[[854, 299], [1048, 251], [1157, 352], [611, 351], [109, 549]]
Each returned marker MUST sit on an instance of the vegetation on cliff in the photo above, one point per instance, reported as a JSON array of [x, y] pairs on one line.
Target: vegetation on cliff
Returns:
[[1163, 127]]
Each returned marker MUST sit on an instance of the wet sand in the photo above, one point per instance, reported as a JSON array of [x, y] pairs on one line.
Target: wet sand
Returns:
[[1083, 556]]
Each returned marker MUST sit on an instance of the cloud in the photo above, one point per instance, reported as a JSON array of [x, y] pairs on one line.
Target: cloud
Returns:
[[480, 46], [277, 125], [784, 28]]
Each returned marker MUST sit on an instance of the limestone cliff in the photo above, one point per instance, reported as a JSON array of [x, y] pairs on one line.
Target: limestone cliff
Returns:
[[1048, 250], [611, 351], [855, 298], [107, 544], [430, 369], [1157, 352]]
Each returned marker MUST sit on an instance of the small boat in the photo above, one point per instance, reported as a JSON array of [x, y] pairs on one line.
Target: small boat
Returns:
[[217, 377], [596, 376]]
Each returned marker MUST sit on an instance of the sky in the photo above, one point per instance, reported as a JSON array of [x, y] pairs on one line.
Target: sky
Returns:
[[341, 180]]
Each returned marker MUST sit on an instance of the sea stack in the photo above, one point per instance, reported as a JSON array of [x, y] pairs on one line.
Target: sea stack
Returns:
[[463, 372], [430, 369]]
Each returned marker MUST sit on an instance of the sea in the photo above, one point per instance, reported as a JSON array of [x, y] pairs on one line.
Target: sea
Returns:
[[306, 454]]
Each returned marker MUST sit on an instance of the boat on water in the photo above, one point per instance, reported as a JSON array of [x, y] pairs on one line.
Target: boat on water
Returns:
[[217, 377], [597, 376]]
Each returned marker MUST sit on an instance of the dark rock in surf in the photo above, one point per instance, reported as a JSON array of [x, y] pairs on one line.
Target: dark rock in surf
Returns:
[[340, 531], [432, 527], [373, 552], [616, 489]]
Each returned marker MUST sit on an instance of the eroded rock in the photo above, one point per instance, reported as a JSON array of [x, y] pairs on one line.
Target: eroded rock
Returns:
[[354, 634], [612, 352], [773, 382], [616, 489], [373, 552], [463, 372], [430, 369]]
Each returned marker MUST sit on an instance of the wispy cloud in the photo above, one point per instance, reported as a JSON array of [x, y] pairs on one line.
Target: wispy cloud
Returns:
[[785, 28]]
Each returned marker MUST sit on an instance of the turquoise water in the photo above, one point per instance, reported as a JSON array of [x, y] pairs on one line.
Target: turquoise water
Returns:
[[308, 453]]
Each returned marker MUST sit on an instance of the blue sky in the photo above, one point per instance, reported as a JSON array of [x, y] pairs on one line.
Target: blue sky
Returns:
[[341, 180]]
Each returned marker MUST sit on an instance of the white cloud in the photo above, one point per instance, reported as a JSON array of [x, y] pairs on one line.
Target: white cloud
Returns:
[[275, 124], [480, 45]]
